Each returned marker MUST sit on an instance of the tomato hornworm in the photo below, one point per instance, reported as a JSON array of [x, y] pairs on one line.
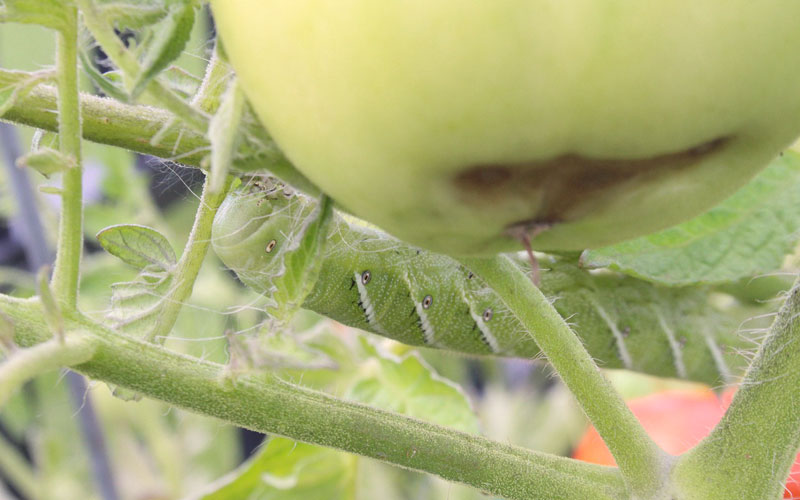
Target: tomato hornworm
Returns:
[[374, 282]]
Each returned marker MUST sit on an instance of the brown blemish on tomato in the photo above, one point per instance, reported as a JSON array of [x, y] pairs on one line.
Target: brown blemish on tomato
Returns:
[[565, 183]]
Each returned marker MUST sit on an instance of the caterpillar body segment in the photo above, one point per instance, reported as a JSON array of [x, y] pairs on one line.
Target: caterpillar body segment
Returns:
[[416, 297], [374, 282]]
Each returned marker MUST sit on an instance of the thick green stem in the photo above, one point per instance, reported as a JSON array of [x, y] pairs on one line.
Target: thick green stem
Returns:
[[642, 463], [749, 453], [192, 258], [66, 273], [271, 405], [109, 122], [25, 364], [18, 472], [131, 127]]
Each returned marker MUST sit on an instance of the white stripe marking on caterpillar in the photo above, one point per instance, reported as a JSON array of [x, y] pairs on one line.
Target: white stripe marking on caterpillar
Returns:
[[486, 334], [366, 304], [674, 345], [425, 324], [624, 355], [420, 307], [718, 356]]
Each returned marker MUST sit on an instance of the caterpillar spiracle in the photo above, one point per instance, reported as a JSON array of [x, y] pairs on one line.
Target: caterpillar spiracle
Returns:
[[374, 282]]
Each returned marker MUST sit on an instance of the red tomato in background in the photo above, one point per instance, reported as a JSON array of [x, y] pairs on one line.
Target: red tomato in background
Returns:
[[676, 420]]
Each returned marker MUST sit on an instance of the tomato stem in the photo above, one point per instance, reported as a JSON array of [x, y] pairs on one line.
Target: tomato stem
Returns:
[[66, 272], [25, 364], [641, 461], [750, 452], [272, 405], [133, 127], [189, 264]]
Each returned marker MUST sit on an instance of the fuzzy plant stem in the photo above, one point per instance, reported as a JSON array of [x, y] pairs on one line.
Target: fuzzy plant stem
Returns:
[[25, 364], [749, 453], [643, 464], [132, 127], [270, 405], [36, 246], [66, 271], [215, 80], [189, 264], [38, 254], [215, 188]]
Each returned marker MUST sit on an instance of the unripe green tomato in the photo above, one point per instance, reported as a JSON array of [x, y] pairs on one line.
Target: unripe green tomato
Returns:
[[454, 124]]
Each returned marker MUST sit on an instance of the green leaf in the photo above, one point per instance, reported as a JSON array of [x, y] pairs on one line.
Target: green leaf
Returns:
[[170, 38], [47, 161], [139, 246], [134, 15], [750, 233], [136, 306], [109, 83], [181, 81], [302, 262], [409, 386], [285, 470], [274, 349]]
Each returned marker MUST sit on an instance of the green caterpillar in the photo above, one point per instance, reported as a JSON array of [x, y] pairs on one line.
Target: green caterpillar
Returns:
[[379, 284]]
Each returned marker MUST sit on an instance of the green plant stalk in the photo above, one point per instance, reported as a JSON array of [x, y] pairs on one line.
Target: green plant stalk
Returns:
[[107, 121], [66, 271], [749, 453], [132, 127], [25, 364], [224, 134], [215, 81], [642, 463], [268, 404], [111, 44], [191, 260], [17, 471]]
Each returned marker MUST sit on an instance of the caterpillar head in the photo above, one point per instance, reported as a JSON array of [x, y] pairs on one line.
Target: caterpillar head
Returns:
[[256, 227]]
